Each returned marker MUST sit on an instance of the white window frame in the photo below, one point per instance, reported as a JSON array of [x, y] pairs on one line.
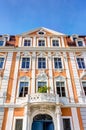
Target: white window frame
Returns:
[[27, 38], [80, 39], [40, 81], [77, 63], [22, 80], [82, 87], [63, 80], [3, 41], [3, 62], [42, 38], [67, 117], [55, 39], [58, 69], [18, 117], [25, 69], [46, 62]]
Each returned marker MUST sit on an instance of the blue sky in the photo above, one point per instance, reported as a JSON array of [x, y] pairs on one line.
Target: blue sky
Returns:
[[66, 16]]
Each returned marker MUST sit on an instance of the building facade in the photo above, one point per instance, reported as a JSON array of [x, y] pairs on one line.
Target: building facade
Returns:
[[42, 81]]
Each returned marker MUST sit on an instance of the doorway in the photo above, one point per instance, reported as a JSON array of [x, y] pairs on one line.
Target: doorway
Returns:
[[42, 122]]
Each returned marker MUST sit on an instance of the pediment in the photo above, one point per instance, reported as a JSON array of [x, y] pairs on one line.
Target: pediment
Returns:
[[42, 29], [42, 76]]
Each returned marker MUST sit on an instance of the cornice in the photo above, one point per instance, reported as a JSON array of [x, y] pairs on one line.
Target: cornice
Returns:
[[47, 49]]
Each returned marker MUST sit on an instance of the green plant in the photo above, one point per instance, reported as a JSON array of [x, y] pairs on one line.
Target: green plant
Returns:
[[43, 89]]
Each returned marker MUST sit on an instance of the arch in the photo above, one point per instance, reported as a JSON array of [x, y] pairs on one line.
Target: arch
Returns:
[[48, 112]]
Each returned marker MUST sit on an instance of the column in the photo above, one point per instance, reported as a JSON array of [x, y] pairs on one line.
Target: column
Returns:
[[58, 116], [33, 72], [50, 73], [48, 41], [25, 121], [20, 41], [34, 41]]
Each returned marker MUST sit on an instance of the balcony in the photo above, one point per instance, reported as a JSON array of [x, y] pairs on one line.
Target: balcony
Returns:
[[43, 98], [38, 98]]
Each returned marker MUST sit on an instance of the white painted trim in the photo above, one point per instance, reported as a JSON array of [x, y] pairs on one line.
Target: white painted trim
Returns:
[[58, 69], [17, 117], [25, 69], [69, 117], [80, 39], [19, 86], [55, 38], [41, 38], [4, 41], [27, 38], [45, 60], [75, 119]]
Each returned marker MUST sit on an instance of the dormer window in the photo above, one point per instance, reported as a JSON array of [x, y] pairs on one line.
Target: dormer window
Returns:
[[80, 43], [1, 42]]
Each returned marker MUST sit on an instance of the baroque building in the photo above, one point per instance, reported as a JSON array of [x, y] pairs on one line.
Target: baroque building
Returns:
[[42, 81]]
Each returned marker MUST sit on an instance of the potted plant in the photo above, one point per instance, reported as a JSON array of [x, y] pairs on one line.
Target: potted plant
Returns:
[[43, 89]]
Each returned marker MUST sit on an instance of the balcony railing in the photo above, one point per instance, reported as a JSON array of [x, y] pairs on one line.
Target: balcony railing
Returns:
[[43, 97]]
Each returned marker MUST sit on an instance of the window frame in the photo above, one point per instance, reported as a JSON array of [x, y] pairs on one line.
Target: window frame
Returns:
[[27, 38], [21, 63], [81, 40], [58, 69], [82, 86], [4, 41], [40, 80], [22, 80], [65, 83], [78, 65], [42, 38], [67, 117], [3, 62], [55, 39], [14, 122], [45, 61]]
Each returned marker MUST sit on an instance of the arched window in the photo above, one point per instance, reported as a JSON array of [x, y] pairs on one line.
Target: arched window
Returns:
[[23, 86]]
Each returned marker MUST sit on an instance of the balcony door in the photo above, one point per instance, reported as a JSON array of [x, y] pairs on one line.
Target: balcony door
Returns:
[[42, 122]]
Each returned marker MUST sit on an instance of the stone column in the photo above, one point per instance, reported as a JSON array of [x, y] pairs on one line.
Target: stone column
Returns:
[[50, 72], [58, 117], [25, 122], [33, 72]]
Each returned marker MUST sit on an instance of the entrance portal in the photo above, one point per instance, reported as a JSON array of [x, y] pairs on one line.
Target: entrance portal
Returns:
[[42, 122]]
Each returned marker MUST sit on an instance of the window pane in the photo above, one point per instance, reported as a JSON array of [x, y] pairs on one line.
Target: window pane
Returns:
[[41, 43], [81, 63], [18, 124], [1, 43], [27, 42], [23, 89], [66, 124], [60, 87], [1, 62], [41, 63], [80, 43], [55, 42], [57, 63], [25, 62], [84, 87]]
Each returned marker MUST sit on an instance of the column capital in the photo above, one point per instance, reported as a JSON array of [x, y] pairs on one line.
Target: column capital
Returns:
[[58, 110]]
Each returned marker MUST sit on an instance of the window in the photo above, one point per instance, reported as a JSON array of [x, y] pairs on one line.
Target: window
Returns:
[[1, 43], [80, 43], [27, 42], [60, 88], [81, 63], [25, 63], [84, 86], [1, 62], [41, 63], [42, 84], [41, 33], [57, 63], [19, 124], [23, 89], [55, 42], [41, 42], [66, 124]]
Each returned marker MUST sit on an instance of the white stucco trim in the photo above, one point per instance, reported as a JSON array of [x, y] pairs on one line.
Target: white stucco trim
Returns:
[[17, 117]]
